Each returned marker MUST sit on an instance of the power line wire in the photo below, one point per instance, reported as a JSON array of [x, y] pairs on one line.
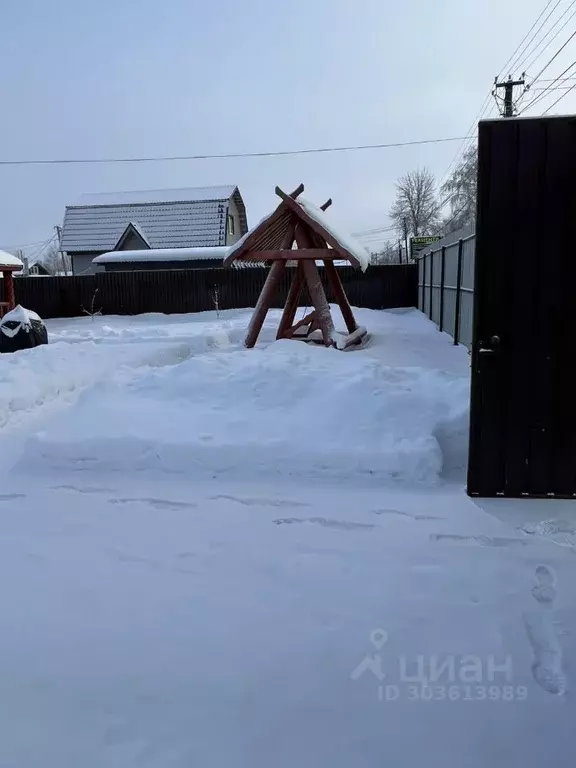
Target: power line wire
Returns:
[[462, 149], [533, 61], [38, 253], [21, 245], [559, 99], [558, 52], [514, 65], [487, 100], [548, 89], [226, 155], [552, 80], [545, 88], [376, 231], [542, 12]]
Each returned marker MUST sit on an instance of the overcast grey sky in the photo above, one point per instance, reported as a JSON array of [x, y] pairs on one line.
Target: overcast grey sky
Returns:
[[103, 78]]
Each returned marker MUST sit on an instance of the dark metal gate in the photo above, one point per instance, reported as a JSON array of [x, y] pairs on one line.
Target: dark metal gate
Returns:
[[523, 400]]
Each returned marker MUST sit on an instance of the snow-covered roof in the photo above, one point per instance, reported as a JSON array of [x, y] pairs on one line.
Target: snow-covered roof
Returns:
[[7, 260], [270, 233], [145, 197], [173, 218], [347, 242], [162, 254]]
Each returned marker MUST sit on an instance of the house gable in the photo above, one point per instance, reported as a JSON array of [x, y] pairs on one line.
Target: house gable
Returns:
[[132, 239]]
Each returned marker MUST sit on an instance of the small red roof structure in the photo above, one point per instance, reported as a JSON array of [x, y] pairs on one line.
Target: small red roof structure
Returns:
[[8, 265], [296, 222]]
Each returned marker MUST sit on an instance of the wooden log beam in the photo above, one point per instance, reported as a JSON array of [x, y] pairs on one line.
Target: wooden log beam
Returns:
[[291, 303], [326, 205], [288, 239], [267, 224], [353, 338], [293, 254], [9, 290], [298, 191], [264, 302], [319, 300], [306, 320], [340, 296], [317, 228], [323, 319]]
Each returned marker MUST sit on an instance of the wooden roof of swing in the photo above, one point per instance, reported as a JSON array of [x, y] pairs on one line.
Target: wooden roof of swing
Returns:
[[9, 263], [275, 234]]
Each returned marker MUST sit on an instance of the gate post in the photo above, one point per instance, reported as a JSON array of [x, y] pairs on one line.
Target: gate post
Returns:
[[457, 302], [422, 274], [442, 270], [431, 282]]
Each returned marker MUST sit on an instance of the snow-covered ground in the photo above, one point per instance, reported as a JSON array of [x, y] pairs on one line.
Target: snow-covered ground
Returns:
[[215, 556]]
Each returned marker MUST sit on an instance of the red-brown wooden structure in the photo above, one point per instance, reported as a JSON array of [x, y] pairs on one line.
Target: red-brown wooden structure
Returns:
[[8, 265], [298, 223]]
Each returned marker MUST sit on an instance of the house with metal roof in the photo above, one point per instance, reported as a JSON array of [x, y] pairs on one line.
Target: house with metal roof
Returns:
[[194, 217]]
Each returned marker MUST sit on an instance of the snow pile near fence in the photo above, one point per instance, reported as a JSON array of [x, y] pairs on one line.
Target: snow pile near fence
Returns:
[[287, 409], [53, 375]]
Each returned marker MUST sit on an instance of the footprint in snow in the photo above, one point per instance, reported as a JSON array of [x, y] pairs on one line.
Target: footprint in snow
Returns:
[[399, 513], [258, 502], [161, 504], [482, 541], [547, 666], [339, 525], [91, 489]]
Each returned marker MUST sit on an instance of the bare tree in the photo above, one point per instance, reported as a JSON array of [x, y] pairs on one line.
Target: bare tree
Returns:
[[416, 206], [55, 261], [388, 254], [461, 189]]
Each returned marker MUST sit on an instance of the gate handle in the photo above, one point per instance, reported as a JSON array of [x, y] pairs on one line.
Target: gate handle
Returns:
[[494, 342]]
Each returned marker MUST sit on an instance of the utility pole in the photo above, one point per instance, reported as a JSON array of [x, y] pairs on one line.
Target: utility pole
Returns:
[[405, 228], [62, 256], [24, 259], [399, 251], [508, 85]]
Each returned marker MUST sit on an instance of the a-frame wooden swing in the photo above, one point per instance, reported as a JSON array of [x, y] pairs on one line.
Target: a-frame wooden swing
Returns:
[[298, 222]]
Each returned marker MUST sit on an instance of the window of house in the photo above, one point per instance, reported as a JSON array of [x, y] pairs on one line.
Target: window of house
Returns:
[[34, 270], [231, 229]]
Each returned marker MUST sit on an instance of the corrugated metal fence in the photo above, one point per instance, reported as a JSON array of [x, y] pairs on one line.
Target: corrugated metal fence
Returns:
[[446, 285], [132, 293]]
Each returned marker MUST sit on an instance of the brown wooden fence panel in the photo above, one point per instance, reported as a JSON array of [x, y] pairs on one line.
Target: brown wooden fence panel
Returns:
[[173, 291]]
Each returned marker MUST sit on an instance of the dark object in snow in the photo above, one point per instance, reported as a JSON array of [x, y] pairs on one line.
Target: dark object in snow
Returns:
[[21, 329]]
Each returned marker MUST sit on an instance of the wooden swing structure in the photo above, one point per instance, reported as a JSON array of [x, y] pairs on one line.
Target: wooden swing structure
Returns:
[[299, 223], [8, 265]]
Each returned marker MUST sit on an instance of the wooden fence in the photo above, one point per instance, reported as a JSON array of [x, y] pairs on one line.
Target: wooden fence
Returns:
[[133, 293]]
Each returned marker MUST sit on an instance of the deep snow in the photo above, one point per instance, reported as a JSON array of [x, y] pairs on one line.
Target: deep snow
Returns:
[[212, 556], [283, 410]]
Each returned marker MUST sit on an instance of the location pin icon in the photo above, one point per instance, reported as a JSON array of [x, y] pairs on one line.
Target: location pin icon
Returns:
[[378, 638]]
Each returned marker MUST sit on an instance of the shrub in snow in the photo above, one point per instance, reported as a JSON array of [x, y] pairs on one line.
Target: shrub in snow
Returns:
[[21, 329]]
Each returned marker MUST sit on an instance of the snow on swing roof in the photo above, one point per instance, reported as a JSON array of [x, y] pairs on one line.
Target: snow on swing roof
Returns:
[[347, 243], [12, 262], [270, 232]]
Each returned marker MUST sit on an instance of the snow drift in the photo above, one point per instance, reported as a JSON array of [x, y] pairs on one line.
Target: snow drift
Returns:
[[283, 410]]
